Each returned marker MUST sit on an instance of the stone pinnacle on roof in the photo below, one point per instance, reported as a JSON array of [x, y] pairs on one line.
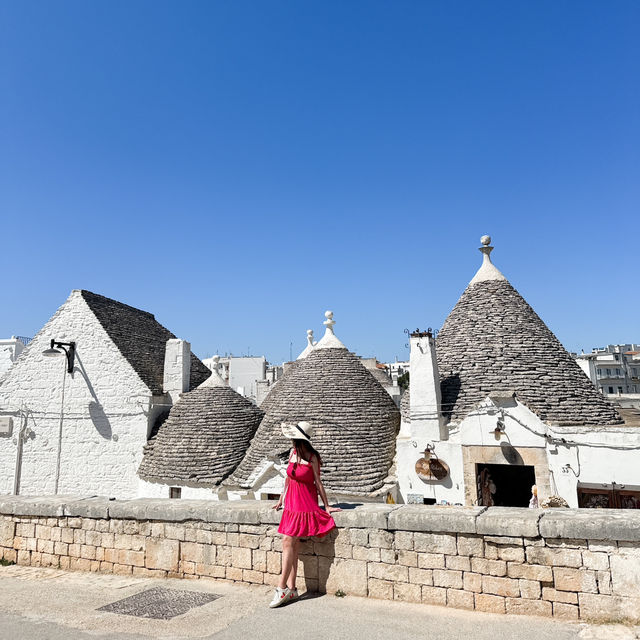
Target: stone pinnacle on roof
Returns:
[[494, 341], [329, 340], [310, 345], [487, 270], [215, 380]]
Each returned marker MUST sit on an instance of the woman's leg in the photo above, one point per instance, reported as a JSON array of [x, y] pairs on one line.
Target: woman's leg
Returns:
[[293, 574], [288, 546]]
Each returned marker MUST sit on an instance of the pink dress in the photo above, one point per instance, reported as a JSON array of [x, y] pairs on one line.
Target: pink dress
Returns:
[[302, 517]]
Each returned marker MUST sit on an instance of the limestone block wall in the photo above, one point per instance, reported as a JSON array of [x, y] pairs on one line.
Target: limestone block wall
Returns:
[[570, 564]]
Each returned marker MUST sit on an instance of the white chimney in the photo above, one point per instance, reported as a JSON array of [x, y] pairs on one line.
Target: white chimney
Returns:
[[177, 368], [425, 400]]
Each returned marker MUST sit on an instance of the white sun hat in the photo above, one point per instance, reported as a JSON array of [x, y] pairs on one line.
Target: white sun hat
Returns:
[[299, 431]]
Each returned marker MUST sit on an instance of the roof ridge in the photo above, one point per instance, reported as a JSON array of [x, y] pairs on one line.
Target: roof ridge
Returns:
[[122, 304]]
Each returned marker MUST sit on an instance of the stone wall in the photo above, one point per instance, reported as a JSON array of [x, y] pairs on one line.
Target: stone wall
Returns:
[[571, 564]]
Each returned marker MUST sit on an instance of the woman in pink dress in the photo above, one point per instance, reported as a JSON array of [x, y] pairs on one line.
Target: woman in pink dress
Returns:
[[302, 517]]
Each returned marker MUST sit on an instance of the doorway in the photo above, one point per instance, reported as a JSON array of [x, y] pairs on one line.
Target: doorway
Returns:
[[504, 485]]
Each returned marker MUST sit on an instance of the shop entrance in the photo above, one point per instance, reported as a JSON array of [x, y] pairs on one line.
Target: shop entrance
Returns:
[[504, 485]]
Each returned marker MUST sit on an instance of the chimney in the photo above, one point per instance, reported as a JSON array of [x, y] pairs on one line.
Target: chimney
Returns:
[[425, 402], [177, 368]]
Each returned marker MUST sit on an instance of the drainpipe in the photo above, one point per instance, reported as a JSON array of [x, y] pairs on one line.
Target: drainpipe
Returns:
[[21, 433]]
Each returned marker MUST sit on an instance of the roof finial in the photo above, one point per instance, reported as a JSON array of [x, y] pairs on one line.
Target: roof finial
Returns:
[[329, 340], [310, 345], [329, 322], [487, 271]]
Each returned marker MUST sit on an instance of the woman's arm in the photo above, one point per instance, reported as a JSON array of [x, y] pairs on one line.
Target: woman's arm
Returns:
[[282, 495], [323, 494]]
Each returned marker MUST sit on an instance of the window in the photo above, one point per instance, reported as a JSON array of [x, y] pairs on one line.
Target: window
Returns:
[[619, 389], [608, 372], [610, 389], [618, 372], [175, 492]]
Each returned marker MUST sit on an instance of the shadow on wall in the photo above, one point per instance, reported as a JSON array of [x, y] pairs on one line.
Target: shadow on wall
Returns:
[[449, 389], [96, 411], [100, 420], [317, 555]]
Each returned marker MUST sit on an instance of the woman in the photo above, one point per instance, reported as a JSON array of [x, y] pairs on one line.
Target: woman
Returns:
[[302, 517]]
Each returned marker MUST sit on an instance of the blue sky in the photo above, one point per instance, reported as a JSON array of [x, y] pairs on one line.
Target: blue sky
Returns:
[[236, 168]]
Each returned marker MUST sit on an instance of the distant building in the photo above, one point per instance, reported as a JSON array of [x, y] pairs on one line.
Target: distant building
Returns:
[[243, 373], [614, 369], [397, 369], [10, 349]]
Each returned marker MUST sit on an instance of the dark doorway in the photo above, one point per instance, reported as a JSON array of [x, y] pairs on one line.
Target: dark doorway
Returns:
[[504, 485]]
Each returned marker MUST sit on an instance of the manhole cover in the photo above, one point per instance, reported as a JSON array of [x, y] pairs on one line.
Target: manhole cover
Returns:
[[159, 603]]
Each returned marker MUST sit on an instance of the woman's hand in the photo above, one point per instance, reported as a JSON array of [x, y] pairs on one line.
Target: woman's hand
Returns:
[[277, 506], [332, 509]]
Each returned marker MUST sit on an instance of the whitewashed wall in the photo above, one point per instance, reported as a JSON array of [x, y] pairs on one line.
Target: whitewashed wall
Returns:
[[157, 490], [105, 406], [596, 456]]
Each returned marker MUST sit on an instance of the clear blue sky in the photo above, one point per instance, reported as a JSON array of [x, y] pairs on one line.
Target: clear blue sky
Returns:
[[236, 168]]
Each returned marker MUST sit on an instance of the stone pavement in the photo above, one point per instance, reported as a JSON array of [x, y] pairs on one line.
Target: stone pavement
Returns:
[[50, 604]]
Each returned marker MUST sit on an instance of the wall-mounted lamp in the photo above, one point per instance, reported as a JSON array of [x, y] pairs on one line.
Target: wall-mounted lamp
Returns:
[[500, 427], [69, 349]]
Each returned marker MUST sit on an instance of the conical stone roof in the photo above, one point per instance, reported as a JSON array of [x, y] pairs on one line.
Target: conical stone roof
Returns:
[[273, 392], [204, 437], [494, 341], [355, 421]]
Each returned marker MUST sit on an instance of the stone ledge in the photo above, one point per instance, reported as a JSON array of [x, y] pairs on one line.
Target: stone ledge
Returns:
[[509, 521], [435, 518], [591, 524], [366, 516]]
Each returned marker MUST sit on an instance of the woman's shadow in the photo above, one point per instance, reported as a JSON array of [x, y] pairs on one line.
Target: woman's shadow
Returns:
[[317, 555]]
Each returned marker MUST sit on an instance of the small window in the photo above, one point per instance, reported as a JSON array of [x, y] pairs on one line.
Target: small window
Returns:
[[428, 501], [272, 496], [619, 389], [175, 492], [610, 389], [608, 372]]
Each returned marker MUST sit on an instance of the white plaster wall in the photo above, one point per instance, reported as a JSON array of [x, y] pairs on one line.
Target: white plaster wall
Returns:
[[596, 456], [105, 405], [244, 372], [523, 428], [599, 457], [157, 490], [9, 351]]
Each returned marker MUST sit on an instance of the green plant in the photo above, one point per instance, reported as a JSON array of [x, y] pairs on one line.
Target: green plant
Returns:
[[6, 563], [340, 593], [403, 381]]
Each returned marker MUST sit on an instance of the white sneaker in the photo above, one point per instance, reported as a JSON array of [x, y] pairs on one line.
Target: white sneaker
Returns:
[[293, 595], [280, 596]]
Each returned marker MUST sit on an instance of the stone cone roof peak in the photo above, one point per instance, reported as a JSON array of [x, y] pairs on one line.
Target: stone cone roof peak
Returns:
[[493, 341], [215, 379], [487, 271], [329, 340], [310, 345]]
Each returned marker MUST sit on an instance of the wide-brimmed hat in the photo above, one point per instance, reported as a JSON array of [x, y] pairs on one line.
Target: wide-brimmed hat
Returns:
[[299, 431]]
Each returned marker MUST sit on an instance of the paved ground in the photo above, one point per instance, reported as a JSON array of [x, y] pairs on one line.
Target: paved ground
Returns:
[[47, 604]]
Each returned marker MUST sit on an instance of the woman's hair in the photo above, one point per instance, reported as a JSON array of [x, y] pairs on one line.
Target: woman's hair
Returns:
[[305, 450]]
